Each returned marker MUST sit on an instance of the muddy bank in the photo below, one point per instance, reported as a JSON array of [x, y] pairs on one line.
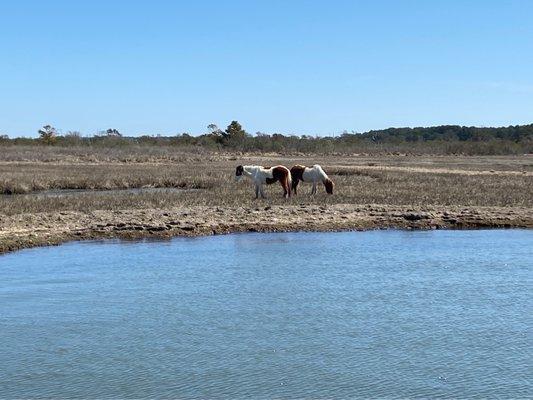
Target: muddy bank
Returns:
[[29, 230]]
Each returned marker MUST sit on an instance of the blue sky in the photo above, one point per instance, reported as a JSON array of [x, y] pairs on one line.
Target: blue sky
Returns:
[[297, 67]]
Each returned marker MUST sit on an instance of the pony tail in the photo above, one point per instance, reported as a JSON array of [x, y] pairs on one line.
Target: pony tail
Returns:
[[289, 183]]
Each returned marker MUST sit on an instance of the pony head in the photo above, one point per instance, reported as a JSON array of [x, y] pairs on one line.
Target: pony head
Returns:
[[239, 172], [329, 186]]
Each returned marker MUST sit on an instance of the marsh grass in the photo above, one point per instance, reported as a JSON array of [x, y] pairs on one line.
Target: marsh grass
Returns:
[[214, 178], [96, 154], [21, 178]]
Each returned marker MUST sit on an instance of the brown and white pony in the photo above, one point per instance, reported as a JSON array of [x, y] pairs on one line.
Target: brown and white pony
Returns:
[[261, 175], [312, 174]]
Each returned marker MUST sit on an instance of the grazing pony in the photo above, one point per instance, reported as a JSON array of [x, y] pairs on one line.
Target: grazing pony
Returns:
[[261, 175], [312, 174]]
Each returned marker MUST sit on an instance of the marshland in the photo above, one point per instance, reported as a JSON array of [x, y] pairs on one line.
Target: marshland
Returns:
[[395, 180], [45, 186]]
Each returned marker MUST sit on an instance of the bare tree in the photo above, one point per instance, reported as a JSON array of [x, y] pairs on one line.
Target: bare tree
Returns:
[[215, 130]]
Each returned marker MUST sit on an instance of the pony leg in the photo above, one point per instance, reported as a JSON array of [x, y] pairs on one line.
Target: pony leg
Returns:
[[286, 188], [261, 190], [256, 191], [294, 186], [313, 190]]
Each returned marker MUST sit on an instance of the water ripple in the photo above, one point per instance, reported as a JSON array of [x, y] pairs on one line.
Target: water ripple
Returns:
[[350, 315]]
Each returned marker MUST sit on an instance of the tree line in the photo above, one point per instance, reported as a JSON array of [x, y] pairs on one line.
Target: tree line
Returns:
[[444, 139]]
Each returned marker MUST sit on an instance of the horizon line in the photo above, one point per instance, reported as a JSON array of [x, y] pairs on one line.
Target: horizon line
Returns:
[[60, 132]]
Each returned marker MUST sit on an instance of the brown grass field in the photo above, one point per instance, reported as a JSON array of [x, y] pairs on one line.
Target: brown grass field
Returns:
[[408, 183]]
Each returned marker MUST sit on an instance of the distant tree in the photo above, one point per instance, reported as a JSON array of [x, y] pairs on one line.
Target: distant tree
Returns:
[[234, 130], [71, 138], [48, 134], [214, 130], [4, 137], [234, 135], [73, 134], [113, 132]]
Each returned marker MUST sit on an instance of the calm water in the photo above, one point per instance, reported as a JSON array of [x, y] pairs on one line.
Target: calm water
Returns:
[[365, 314]]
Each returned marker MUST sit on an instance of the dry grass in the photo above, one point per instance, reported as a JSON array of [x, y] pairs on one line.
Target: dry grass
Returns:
[[133, 153], [19, 178], [87, 154], [447, 181]]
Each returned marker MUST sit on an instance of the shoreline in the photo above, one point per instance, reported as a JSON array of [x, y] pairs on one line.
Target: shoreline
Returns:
[[46, 229]]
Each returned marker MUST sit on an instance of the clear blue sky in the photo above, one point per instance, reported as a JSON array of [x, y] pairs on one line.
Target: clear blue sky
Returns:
[[314, 67]]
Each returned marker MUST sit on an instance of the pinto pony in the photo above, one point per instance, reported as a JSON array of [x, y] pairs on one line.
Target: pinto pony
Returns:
[[312, 174], [261, 175]]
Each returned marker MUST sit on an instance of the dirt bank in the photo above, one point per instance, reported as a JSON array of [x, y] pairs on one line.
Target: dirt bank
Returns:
[[40, 229]]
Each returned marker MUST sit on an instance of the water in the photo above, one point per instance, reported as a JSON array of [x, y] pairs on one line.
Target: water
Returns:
[[386, 314], [80, 192]]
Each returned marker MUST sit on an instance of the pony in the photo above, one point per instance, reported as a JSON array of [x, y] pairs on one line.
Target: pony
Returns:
[[261, 175], [312, 174]]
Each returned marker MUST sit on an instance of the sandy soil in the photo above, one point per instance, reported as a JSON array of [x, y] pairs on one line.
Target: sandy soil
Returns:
[[40, 229]]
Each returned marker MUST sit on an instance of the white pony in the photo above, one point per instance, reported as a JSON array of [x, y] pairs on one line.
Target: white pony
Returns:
[[261, 175], [312, 174]]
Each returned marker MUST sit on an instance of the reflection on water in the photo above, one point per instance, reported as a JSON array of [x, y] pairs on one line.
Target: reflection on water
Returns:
[[317, 315]]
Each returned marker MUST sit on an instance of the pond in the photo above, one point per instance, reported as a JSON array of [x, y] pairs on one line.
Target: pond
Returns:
[[390, 314]]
